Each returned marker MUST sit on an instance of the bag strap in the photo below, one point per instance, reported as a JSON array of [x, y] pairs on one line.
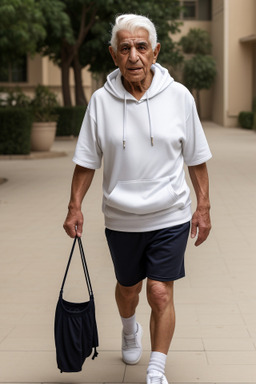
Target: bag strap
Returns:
[[86, 272]]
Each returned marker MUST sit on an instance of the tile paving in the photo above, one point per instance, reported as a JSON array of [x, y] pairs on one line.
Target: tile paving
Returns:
[[215, 337]]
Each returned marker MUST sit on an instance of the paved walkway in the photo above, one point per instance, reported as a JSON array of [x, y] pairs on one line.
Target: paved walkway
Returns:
[[215, 339]]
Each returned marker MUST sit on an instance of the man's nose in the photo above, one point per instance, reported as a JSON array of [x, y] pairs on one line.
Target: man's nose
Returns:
[[133, 55]]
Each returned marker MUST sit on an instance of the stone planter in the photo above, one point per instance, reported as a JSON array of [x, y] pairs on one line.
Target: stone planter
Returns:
[[42, 136]]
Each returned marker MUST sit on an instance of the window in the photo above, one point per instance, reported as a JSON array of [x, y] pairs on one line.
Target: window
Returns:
[[196, 10], [190, 10], [204, 9], [14, 73]]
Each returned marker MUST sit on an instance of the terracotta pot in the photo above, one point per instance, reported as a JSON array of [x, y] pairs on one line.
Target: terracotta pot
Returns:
[[42, 136]]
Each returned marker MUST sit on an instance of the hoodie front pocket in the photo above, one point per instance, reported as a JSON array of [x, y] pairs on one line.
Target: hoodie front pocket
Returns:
[[142, 196]]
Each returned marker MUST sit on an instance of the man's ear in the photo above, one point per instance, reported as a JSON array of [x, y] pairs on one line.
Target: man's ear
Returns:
[[156, 52], [112, 53]]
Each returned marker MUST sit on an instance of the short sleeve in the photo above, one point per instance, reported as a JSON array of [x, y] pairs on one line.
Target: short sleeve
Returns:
[[88, 153], [195, 147]]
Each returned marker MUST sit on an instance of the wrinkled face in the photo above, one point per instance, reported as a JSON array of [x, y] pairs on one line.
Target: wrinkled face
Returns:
[[134, 56]]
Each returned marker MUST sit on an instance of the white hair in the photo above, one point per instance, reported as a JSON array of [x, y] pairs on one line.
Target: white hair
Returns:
[[131, 23]]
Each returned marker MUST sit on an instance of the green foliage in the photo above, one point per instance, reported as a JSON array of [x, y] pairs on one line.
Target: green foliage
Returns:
[[15, 131], [199, 72], [254, 121], [197, 41], [27, 25], [245, 119], [77, 32], [254, 104], [163, 13], [57, 23], [254, 113], [21, 27], [44, 104], [69, 120], [63, 22], [13, 98]]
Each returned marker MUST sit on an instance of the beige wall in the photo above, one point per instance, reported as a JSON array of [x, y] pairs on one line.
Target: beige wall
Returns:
[[218, 49], [234, 87], [189, 24], [241, 22], [43, 71], [254, 70], [53, 78]]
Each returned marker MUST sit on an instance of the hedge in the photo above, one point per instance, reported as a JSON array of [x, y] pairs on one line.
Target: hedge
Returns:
[[245, 119], [15, 131], [69, 120]]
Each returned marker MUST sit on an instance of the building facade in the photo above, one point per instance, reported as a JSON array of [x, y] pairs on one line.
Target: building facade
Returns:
[[232, 27], [233, 33]]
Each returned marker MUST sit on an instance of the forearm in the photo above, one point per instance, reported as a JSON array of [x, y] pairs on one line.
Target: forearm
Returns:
[[201, 222], [200, 180], [81, 182]]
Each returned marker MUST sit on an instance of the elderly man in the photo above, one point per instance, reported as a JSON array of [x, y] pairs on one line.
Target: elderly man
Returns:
[[145, 126]]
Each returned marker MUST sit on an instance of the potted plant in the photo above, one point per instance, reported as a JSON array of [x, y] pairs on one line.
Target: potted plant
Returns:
[[43, 131]]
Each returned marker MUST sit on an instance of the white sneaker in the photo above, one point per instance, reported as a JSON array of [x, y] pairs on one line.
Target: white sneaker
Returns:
[[155, 377], [131, 346]]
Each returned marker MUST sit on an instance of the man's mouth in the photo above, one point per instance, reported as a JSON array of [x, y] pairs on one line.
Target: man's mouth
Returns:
[[134, 69]]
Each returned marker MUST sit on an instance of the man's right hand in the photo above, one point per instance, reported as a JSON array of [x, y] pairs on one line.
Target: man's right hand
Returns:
[[73, 224]]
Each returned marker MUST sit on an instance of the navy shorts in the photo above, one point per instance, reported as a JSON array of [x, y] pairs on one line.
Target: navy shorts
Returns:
[[158, 255]]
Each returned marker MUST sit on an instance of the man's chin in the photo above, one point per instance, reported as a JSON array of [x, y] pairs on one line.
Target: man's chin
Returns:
[[134, 77]]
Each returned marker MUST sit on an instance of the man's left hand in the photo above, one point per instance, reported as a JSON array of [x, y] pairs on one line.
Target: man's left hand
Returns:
[[200, 225]]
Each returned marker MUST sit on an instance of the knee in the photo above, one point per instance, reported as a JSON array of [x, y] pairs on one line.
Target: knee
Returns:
[[128, 293], [160, 294]]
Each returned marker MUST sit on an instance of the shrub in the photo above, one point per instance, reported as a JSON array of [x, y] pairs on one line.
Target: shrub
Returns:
[[44, 104], [15, 131], [254, 104], [254, 113], [197, 41], [69, 120], [199, 73], [13, 97], [245, 119]]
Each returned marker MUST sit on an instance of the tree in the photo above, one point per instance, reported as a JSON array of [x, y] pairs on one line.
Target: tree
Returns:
[[163, 13], [200, 70], [89, 34], [59, 43], [197, 41], [75, 33], [199, 73], [21, 26], [25, 25]]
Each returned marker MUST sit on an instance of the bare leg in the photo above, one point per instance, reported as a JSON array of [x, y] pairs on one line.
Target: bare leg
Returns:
[[127, 299], [162, 321]]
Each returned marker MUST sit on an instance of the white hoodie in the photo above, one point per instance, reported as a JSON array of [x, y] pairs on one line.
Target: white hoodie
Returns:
[[144, 145]]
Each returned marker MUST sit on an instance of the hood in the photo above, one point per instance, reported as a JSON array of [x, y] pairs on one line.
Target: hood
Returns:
[[160, 82]]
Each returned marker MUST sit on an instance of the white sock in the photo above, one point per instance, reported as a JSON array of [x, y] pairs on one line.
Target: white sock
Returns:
[[129, 325], [157, 362]]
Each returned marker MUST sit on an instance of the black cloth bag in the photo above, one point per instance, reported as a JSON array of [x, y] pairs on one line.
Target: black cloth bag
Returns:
[[75, 327]]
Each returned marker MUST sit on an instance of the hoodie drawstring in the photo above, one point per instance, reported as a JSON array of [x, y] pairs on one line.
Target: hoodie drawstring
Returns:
[[124, 122], [150, 123], [125, 119]]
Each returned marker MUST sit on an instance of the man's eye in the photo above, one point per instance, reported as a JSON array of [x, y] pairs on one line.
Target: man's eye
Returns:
[[124, 49], [141, 47]]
